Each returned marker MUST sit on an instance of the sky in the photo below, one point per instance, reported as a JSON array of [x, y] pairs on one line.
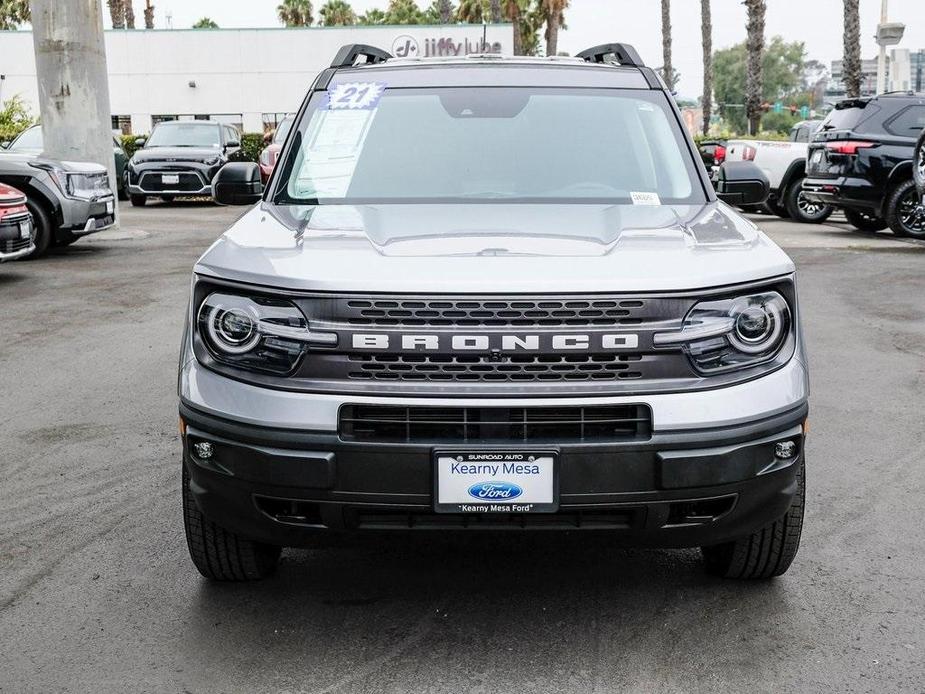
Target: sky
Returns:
[[817, 23]]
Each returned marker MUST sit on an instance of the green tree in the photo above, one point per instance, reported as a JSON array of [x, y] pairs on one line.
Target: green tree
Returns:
[[404, 12], [295, 13], [443, 9], [782, 68], [337, 13], [14, 118], [205, 23], [372, 17], [554, 15], [851, 38], [13, 13], [149, 15], [129, 15], [471, 11], [116, 13]]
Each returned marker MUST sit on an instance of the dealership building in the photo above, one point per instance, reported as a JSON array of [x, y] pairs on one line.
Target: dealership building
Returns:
[[249, 78]]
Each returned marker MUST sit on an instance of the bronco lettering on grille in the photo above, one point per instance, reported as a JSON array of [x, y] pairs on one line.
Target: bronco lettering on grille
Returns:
[[565, 342]]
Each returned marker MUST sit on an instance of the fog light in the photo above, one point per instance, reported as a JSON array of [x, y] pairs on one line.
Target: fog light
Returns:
[[204, 449], [785, 449]]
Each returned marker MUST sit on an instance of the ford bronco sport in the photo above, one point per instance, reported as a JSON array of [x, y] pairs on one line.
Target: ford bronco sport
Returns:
[[486, 294]]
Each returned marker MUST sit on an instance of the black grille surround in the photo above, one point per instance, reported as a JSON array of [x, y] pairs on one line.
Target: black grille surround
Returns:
[[188, 181], [14, 245], [636, 368], [560, 424]]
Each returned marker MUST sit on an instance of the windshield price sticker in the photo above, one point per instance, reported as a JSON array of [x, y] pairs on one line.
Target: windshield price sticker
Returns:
[[645, 198], [355, 96]]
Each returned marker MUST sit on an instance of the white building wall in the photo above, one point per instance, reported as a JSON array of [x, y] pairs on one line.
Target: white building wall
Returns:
[[247, 72]]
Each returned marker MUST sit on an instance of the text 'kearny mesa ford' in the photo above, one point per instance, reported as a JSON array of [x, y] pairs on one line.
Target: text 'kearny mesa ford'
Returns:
[[492, 294]]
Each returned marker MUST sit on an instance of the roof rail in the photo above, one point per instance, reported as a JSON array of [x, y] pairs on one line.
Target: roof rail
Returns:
[[347, 55], [623, 52]]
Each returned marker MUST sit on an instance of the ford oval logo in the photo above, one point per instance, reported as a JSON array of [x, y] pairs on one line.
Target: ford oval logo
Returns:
[[495, 491]]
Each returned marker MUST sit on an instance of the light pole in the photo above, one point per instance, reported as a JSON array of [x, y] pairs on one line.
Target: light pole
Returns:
[[888, 34], [73, 83]]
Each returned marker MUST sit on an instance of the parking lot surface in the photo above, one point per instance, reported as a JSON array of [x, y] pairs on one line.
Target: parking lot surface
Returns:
[[97, 592]]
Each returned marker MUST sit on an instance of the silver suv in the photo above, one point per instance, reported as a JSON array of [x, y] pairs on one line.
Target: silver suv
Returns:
[[484, 294]]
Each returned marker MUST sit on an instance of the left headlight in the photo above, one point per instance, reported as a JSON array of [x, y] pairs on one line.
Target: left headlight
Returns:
[[735, 333], [256, 333], [78, 185]]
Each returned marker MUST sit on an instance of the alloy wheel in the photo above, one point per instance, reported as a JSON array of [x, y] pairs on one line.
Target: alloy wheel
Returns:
[[809, 207], [912, 213]]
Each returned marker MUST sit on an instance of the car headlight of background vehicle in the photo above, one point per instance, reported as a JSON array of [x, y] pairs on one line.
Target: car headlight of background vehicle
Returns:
[[78, 185], [256, 332], [735, 333], [212, 161]]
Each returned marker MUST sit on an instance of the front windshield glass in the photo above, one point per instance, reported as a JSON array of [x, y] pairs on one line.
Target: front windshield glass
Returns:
[[488, 144], [29, 139], [180, 134]]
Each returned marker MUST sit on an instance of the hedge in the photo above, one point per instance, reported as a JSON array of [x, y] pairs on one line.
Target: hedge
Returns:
[[251, 146]]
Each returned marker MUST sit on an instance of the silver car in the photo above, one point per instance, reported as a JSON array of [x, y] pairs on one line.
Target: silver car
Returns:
[[492, 294]]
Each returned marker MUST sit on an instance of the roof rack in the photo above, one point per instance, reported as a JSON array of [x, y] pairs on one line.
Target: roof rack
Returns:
[[623, 52], [347, 55]]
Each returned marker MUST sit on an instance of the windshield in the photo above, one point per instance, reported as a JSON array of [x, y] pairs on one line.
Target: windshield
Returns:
[[281, 131], [179, 134], [28, 139], [488, 144]]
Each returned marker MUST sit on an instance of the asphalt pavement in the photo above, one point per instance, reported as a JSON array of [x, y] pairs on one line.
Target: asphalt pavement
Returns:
[[97, 593]]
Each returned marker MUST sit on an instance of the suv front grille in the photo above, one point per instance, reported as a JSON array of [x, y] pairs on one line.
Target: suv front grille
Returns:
[[494, 312], [398, 424], [447, 367], [188, 182], [14, 245]]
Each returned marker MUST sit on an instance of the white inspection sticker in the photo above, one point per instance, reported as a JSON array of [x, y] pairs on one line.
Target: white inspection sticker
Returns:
[[645, 198]]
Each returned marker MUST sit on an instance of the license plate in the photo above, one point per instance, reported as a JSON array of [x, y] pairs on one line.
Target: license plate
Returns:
[[110, 207], [496, 482], [25, 230], [170, 179]]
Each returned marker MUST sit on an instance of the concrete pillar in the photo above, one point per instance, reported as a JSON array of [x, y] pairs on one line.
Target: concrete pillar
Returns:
[[70, 62]]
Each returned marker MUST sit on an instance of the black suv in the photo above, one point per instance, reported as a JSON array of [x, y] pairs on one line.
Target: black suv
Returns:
[[861, 161], [180, 158]]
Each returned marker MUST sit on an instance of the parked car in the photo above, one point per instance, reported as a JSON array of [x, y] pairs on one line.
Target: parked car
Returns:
[[15, 225], [68, 200], [430, 322], [713, 154], [270, 153], [179, 158], [31, 141], [860, 161], [784, 164]]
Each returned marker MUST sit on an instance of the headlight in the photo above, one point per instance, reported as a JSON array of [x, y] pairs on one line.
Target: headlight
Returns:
[[78, 185], [258, 333], [735, 333]]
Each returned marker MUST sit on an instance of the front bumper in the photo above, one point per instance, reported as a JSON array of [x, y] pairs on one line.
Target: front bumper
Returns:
[[281, 474], [186, 178], [83, 217], [13, 244]]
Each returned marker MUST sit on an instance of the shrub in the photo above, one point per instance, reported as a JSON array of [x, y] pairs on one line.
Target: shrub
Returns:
[[14, 118], [251, 146]]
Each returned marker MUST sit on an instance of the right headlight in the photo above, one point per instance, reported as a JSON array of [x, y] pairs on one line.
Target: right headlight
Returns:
[[735, 333]]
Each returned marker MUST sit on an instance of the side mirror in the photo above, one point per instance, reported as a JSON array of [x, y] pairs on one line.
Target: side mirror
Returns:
[[237, 183], [742, 183], [231, 144], [140, 141]]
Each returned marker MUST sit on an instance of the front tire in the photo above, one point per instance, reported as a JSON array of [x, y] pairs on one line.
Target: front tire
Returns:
[[43, 229], [767, 552], [138, 200], [777, 207], [905, 213], [864, 221], [801, 209], [220, 554]]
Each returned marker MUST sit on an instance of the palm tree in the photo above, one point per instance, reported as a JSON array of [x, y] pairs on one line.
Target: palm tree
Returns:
[[13, 13], [851, 62], [444, 11], [404, 12], [149, 15], [372, 17], [295, 13], [205, 23], [667, 70], [337, 13], [129, 15], [706, 35], [470, 11], [116, 13], [495, 11], [754, 46], [554, 14], [512, 12]]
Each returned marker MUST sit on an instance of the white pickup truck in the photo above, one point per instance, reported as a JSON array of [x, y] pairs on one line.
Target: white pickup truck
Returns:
[[784, 164]]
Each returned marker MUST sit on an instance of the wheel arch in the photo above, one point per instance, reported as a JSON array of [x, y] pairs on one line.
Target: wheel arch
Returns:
[[794, 172]]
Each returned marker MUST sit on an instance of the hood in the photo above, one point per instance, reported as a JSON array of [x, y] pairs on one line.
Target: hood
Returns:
[[200, 154], [494, 248], [26, 157]]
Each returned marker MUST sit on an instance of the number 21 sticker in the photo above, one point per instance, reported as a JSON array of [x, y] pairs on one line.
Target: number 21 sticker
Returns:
[[355, 95]]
